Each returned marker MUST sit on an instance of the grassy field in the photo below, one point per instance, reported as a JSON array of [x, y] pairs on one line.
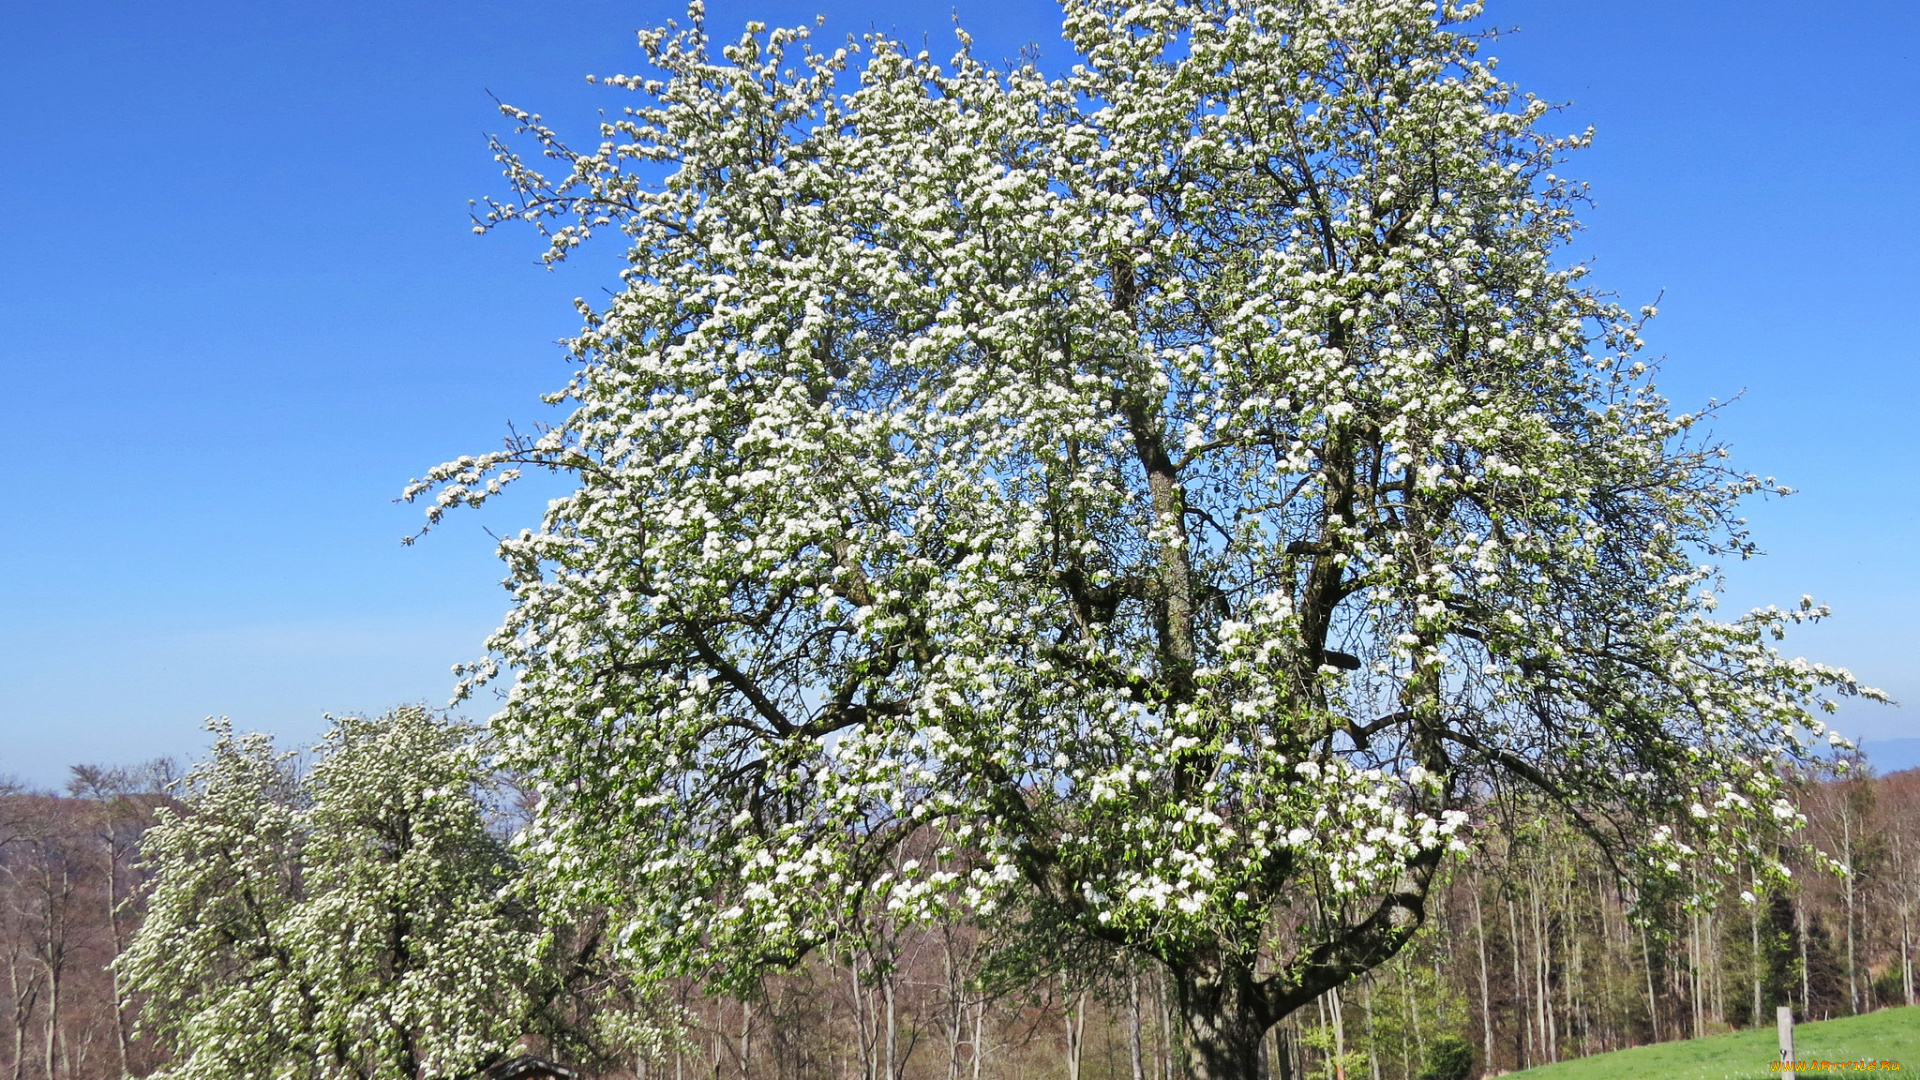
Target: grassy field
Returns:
[[1888, 1035]]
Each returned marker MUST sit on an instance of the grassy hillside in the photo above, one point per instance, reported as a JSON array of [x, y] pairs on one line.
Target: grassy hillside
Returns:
[[1887, 1035]]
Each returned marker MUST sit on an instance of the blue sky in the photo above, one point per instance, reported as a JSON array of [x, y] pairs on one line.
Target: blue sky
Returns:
[[241, 305]]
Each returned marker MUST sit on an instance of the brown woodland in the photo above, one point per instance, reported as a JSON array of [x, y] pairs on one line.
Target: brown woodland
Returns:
[[1531, 954]]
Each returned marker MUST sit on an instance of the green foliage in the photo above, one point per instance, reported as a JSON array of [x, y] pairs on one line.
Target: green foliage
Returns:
[[1402, 1007], [1328, 1062], [1449, 1057]]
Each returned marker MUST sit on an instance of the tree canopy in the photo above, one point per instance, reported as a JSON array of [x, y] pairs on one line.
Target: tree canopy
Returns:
[[1149, 507]]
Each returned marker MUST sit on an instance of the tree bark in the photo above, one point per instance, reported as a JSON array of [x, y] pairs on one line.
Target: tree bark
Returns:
[[1168, 1066], [1717, 968], [863, 1022], [1806, 978], [1653, 1002], [954, 1007], [746, 1037], [1133, 1025], [1074, 1010], [1225, 1018], [1373, 1040], [1905, 874], [1574, 949], [1693, 976], [1906, 937], [1523, 1034], [1753, 923], [111, 849], [24, 997], [1543, 976], [53, 1021], [1339, 1034], [1486, 995], [979, 1035], [1853, 967], [893, 1028]]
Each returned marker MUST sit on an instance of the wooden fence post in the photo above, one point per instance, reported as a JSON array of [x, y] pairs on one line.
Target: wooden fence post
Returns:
[[1784, 1016]]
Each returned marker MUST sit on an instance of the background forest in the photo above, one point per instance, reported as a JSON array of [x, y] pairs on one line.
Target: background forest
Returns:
[[1532, 956]]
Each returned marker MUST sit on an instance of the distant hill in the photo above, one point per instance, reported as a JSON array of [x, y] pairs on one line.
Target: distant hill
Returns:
[[1891, 755], [1888, 1035]]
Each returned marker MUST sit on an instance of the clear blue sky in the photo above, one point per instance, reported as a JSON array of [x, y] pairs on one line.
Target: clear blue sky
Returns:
[[240, 306]]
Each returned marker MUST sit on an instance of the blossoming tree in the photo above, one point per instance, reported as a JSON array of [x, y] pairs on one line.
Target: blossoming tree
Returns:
[[1169, 494], [351, 923]]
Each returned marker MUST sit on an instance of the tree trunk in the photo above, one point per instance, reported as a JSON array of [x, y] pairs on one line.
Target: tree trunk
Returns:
[[1133, 1025], [746, 1037], [118, 938], [1168, 1067], [955, 1014], [979, 1035], [1753, 922], [1806, 978], [893, 1029], [1413, 1012], [1574, 949], [1339, 1033], [1717, 967], [1224, 1020], [53, 1021], [24, 997], [1543, 977], [1906, 919], [863, 1023], [1074, 1010], [1653, 1001], [1853, 968], [1373, 1040], [1523, 1013], [1700, 977], [1906, 949]]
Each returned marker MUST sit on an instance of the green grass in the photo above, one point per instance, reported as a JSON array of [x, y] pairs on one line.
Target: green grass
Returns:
[[1887, 1035]]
